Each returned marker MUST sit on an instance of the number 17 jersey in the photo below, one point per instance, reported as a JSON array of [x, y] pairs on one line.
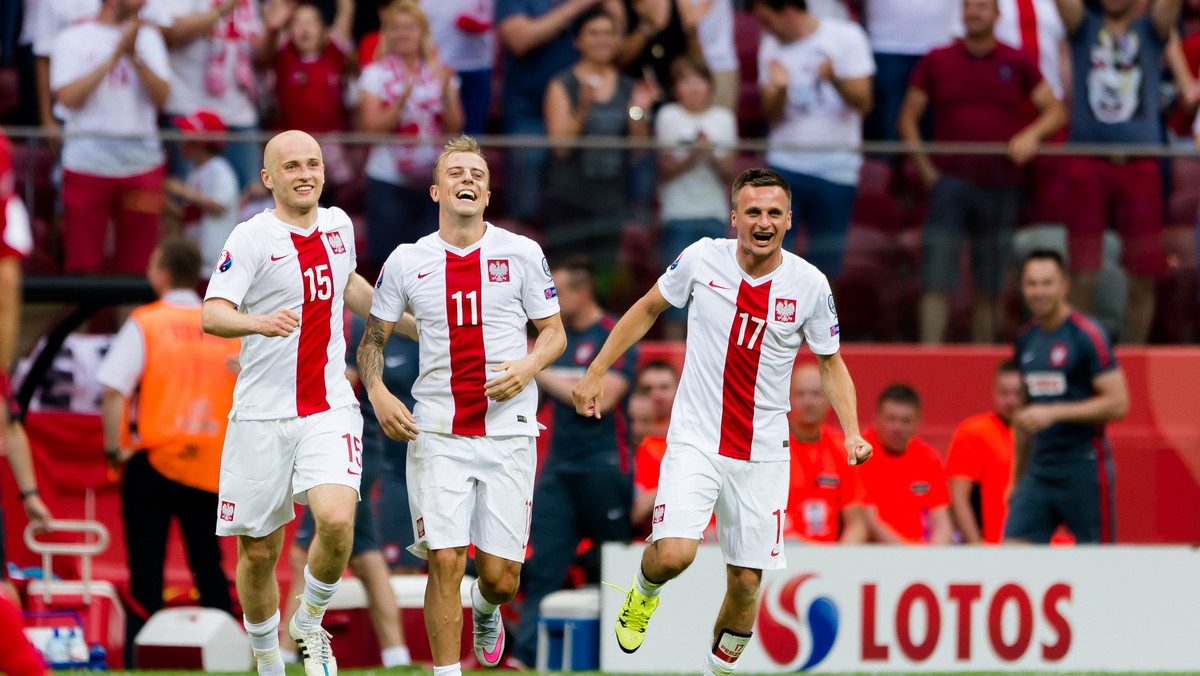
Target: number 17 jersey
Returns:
[[471, 306]]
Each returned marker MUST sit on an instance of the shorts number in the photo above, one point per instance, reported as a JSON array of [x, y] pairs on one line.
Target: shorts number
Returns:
[[354, 450], [778, 525], [320, 283]]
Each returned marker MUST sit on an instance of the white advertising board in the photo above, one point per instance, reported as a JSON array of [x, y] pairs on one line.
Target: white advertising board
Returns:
[[838, 609]]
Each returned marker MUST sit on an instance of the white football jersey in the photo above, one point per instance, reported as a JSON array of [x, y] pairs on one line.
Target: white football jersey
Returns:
[[268, 265], [742, 339], [471, 306]]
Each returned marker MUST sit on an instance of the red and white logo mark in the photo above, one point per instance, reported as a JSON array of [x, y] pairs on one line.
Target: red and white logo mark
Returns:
[[659, 512], [498, 270], [785, 310], [421, 527], [226, 510], [335, 242], [1058, 354]]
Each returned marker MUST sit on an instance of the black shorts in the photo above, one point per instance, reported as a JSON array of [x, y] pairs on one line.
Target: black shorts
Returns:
[[1078, 494]]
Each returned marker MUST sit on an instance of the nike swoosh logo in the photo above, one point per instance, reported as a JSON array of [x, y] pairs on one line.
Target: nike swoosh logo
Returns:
[[423, 275], [279, 258], [493, 657], [718, 286]]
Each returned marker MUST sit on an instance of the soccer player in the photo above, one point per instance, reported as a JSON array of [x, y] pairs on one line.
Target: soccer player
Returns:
[[751, 307], [826, 495], [1062, 463], [473, 288], [979, 462], [295, 432]]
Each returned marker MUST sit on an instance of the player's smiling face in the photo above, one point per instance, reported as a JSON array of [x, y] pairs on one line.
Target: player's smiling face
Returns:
[[761, 216], [295, 171], [1044, 286], [462, 184]]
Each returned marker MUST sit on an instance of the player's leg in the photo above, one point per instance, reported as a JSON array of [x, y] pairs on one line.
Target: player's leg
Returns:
[[687, 491], [297, 560], [750, 515], [443, 607], [500, 527], [258, 593], [553, 538], [1031, 517], [333, 507], [1085, 499]]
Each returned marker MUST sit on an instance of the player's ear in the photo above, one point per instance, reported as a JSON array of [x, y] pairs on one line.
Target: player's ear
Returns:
[[266, 178], [487, 198], [433, 192], [789, 220]]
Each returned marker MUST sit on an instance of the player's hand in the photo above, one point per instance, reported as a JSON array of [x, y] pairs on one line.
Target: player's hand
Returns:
[[692, 13], [278, 324], [825, 70], [277, 13], [395, 418], [126, 45], [1023, 147], [858, 451], [777, 74], [588, 394], [1034, 418], [514, 376], [38, 513]]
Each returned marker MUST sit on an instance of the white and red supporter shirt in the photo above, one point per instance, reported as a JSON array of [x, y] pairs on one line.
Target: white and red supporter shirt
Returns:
[[742, 339], [16, 237], [471, 306], [267, 265]]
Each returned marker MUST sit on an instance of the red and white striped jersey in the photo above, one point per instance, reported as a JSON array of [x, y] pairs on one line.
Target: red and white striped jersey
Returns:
[[742, 339], [471, 306], [268, 265]]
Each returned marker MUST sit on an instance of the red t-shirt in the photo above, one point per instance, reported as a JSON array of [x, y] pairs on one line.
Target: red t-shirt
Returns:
[[905, 488], [977, 99], [310, 91], [822, 485], [369, 49], [981, 450], [648, 463], [1181, 120]]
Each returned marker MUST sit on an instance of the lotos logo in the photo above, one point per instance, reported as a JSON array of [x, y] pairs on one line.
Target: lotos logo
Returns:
[[498, 270], [782, 629]]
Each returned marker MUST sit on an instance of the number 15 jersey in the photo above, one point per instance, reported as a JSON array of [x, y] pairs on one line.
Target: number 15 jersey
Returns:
[[471, 307], [742, 339]]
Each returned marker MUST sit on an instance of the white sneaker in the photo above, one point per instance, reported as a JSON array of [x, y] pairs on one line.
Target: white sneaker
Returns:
[[314, 648], [489, 637]]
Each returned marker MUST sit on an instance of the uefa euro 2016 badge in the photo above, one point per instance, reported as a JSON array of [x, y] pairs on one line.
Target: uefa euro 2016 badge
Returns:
[[224, 262]]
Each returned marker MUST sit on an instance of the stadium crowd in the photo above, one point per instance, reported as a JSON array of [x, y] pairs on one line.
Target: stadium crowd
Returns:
[[1023, 73], [925, 247]]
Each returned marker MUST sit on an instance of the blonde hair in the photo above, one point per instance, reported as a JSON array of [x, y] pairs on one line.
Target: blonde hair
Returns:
[[413, 9], [458, 144]]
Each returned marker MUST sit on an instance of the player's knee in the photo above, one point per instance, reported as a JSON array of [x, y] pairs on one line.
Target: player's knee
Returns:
[[501, 585], [337, 524], [743, 584], [675, 560], [445, 561], [260, 555]]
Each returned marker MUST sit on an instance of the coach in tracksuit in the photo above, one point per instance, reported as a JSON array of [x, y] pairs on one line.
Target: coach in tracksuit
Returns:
[[1062, 463], [585, 489]]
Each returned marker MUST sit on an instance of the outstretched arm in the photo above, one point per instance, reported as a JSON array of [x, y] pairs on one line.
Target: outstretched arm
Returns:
[[394, 417], [358, 297], [589, 393], [839, 388], [221, 318]]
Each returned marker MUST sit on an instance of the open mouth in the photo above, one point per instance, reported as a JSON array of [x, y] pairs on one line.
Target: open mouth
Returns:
[[763, 237], [304, 189], [467, 195]]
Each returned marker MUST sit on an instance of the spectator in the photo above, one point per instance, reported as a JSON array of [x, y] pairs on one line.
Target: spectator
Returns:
[[591, 99], [585, 488], [44, 20], [170, 442], [826, 495], [466, 42], [410, 93], [656, 32], [979, 462], [215, 48], [537, 45], [1115, 57], [715, 34], [906, 488], [109, 76], [978, 90], [1062, 462], [641, 418], [815, 79], [901, 31], [692, 179], [210, 191], [16, 243], [656, 384]]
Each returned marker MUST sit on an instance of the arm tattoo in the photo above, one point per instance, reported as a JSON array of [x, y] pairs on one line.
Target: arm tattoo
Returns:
[[370, 352]]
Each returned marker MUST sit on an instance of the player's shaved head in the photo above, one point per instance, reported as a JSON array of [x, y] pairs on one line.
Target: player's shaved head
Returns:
[[293, 143]]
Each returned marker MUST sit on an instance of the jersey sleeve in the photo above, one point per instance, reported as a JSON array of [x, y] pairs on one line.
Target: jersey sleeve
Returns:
[[821, 329], [963, 460], [235, 267], [123, 363], [1100, 359], [66, 64], [856, 60], [348, 239], [540, 296], [676, 283], [768, 48], [389, 301], [153, 51]]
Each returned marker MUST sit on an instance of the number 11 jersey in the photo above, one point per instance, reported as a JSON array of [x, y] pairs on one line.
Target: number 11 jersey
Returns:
[[471, 306]]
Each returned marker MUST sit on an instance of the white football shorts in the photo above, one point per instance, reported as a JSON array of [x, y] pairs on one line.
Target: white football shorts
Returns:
[[268, 464], [749, 499], [471, 490]]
